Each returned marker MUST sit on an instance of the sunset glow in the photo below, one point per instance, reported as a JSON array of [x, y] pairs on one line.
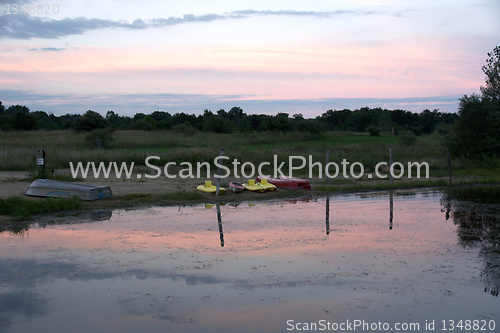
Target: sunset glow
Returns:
[[191, 56]]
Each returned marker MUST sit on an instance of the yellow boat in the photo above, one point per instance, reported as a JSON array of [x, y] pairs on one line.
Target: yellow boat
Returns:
[[254, 187], [209, 188], [266, 185]]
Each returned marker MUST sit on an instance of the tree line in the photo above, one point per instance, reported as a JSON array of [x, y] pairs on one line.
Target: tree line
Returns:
[[372, 120]]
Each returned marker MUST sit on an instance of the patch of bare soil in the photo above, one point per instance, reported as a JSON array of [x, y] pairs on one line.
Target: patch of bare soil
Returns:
[[13, 183]]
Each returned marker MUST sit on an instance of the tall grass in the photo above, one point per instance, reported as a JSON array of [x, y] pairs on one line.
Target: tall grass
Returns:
[[18, 149], [23, 208]]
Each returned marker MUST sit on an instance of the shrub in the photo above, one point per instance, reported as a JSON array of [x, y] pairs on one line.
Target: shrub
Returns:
[[407, 138], [106, 135], [374, 131], [187, 130]]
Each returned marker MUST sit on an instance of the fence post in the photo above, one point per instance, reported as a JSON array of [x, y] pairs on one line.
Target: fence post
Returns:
[[326, 164], [219, 222], [218, 174], [40, 161], [390, 163], [391, 210], [328, 215]]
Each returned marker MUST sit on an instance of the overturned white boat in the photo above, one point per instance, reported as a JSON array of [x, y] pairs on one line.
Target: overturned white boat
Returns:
[[60, 189]]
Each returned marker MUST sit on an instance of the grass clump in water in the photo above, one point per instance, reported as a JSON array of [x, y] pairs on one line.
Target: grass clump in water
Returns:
[[182, 196], [135, 196], [22, 208]]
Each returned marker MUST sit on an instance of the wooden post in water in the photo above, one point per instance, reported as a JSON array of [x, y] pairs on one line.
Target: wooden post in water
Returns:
[[327, 161], [450, 179], [218, 174], [219, 221], [390, 163], [328, 215], [391, 210]]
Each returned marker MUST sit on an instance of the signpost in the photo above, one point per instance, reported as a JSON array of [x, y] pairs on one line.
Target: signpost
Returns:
[[40, 161]]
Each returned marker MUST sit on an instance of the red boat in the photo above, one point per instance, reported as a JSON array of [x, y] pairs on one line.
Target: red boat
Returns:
[[236, 187], [291, 183]]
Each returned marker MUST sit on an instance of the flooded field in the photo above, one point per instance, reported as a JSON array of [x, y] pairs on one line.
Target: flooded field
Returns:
[[387, 260]]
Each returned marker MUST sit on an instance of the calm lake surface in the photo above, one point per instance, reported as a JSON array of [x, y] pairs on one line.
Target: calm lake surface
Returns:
[[422, 257]]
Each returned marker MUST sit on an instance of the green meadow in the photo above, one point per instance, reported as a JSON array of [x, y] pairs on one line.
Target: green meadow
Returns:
[[18, 151]]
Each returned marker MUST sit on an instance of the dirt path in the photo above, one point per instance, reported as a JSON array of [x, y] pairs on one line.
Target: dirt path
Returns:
[[13, 183], [129, 190]]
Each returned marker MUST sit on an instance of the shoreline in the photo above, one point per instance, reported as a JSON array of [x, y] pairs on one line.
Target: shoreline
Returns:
[[134, 194]]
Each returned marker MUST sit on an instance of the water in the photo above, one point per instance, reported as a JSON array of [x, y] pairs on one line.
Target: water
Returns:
[[408, 257]]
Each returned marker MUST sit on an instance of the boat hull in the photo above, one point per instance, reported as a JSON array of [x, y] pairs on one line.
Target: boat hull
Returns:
[[256, 187], [58, 189], [236, 187], [268, 186], [290, 183], [302, 184], [210, 189]]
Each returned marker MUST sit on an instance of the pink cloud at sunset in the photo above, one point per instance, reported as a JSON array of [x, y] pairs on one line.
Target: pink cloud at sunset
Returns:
[[232, 53]]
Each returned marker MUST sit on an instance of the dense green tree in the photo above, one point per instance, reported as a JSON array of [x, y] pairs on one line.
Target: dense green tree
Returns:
[[360, 120], [112, 117], [184, 118], [24, 122], [237, 117], [139, 116], [492, 71], [90, 121], [4, 119], [279, 123], [218, 124], [335, 120], [15, 109], [404, 118], [426, 120], [146, 123], [20, 118], [476, 132], [44, 120], [66, 121]]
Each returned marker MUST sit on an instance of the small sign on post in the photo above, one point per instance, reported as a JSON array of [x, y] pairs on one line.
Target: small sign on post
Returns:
[[98, 143], [40, 157], [40, 161]]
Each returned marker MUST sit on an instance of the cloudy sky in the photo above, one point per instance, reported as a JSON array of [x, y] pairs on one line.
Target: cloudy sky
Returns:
[[265, 56]]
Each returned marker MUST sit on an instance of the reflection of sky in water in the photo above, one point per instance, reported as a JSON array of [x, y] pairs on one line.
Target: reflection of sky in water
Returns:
[[160, 268]]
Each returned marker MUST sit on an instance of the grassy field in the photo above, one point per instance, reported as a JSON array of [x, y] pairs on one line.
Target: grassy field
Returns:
[[18, 149]]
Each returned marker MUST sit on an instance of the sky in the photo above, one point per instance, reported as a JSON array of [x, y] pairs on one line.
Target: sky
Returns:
[[290, 56]]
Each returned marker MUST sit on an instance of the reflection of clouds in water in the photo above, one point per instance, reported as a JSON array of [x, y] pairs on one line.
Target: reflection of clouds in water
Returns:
[[22, 279], [24, 273], [21, 295], [20, 303], [276, 257]]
